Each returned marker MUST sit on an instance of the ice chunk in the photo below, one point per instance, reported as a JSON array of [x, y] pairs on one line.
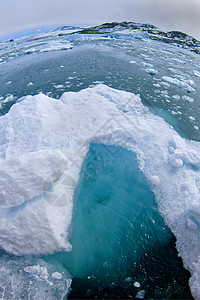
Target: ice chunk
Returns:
[[196, 73], [192, 118], [30, 278], [136, 284], [8, 99], [188, 99], [178, 83], [35, 227], [147, 65], [56, 275], [140, 294], [39, 272], [59, 86], [128, 279], [176, 97], [151, 71], [29, 175], [165, 84], [155, 179], [186, 155], [176, 162]]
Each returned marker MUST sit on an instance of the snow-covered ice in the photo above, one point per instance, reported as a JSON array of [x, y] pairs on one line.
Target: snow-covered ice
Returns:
[[46, 140], [29, 175]]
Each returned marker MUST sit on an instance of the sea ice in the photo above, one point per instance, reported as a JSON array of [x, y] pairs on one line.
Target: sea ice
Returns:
[[179, 83], [32, 278], [188, 99], [128, 279], [151, 71], [56, 275], [196, 73], [136, 284], [29, 175], [58, 86], [132, 62], [140, 294], [41, 136], [55, 46], [192, 118], [176, 97]]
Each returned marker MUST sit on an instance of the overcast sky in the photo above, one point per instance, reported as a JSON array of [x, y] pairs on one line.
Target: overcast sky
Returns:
[[17, 15]]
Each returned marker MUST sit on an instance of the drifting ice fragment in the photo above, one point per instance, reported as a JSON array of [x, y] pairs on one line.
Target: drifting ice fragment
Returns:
[[175, 162], [178, 83], [155, 180], [136, 284], [140, 294], [151, 71]]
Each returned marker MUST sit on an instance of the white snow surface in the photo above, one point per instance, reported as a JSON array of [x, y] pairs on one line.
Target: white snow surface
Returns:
[[42, 138], [29, 175]]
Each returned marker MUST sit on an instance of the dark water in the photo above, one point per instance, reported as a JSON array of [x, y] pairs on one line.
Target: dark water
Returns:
[[117, 235]]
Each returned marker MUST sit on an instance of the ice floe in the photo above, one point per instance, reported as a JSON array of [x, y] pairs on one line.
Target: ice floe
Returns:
[[45, 141]]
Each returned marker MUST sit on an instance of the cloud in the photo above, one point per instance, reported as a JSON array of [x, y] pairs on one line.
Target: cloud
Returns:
[[180, 15]]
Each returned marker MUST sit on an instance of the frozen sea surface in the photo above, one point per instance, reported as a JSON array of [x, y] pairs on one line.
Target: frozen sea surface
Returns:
[[99, 164]]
